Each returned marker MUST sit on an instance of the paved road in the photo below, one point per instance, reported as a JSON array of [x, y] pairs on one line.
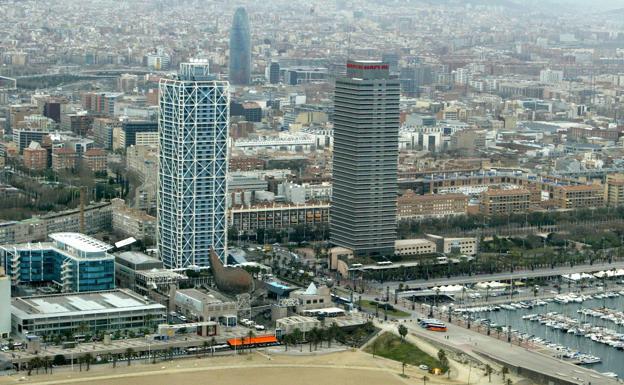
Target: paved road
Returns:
[[474, 343], [422, 284]]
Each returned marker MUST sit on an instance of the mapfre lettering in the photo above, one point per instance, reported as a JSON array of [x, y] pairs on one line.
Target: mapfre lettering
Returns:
[[368, 67]]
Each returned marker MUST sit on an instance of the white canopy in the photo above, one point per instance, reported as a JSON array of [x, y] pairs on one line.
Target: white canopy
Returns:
[[610, 273], [577, 276], [449, 288], [491, 285]]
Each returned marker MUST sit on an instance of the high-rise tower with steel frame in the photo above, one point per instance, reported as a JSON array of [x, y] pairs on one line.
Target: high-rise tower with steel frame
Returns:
[[192, 167], [366, 133]]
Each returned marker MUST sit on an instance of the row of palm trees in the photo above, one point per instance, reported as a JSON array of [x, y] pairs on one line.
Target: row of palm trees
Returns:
[[314, 337], [87, 359], [37, 363]]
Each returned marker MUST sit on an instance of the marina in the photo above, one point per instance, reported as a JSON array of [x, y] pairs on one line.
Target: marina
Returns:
[[585, 329]]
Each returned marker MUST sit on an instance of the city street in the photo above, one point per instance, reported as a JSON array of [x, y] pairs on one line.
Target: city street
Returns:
[[516, 275]]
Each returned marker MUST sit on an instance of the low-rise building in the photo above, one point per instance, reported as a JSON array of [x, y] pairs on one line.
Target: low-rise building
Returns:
[[5, 299], [97, 312], [581, 196], [203, 306], [461, 245], [35, 157], [64, 159], [410, 247], [95, 160], [75, 262], [496, 201], [417, 207], [278, 216], [311, 298], [97, 218], [132, 222], [146, 139], [79, 123], [614, 190], [287, 325]]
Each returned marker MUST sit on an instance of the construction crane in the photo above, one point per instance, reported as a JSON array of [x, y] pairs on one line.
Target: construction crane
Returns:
[[83, 197]]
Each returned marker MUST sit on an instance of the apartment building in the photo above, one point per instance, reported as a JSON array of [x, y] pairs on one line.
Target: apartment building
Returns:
[[413, 206], [505, 201]]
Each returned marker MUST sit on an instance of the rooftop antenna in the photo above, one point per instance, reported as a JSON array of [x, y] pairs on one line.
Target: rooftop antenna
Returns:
[[349, 44]]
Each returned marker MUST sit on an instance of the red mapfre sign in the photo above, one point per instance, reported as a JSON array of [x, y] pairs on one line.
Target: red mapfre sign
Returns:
[[368, 66]]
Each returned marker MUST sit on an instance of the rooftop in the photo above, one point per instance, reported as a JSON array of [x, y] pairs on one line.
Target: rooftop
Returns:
[[199, 296], [413, 242], [296, 319], [505, 192], [79, 303], [94, 152], [137, 258], [81, 242]]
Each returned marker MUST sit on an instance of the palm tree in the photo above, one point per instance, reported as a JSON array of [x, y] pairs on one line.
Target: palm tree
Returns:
[[297, 336], [82, 328], [47, 363], [129, 354], [334, 330], [88, 359], [375, 346], [250, 336], [316, 336], [505, 371], [286, 341], [213, 342], [488, 372], [32, 364]]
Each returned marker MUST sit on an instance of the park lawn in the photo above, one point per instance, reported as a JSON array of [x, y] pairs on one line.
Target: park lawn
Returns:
[[370, 306], [390, 346]]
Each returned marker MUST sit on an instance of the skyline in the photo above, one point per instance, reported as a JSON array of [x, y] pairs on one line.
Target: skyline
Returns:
[[186, 185]]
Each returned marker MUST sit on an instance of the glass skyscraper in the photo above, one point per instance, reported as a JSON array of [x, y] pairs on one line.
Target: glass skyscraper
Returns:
[[366, 133], [192, 185], [240, 49]]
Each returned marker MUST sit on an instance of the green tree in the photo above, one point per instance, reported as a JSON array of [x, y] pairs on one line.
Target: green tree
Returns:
[[376, 345], [402, 331], [88, 360], [250, 336], [59, 360], [213, 343], [443, 359], [129, 355], [286, 341], [488, 372], [505, 372], [47, 363], [332, 333], [297, 336], [33, 364]]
